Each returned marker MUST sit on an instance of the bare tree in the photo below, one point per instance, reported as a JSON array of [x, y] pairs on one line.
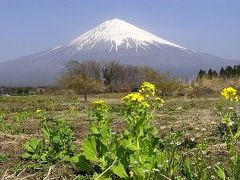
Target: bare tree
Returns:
[[83, 78], [119, 77], [163, 82], [91, 76]]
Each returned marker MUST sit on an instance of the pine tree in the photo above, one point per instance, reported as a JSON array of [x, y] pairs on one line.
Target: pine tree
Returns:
[[229, 71], [210, 73], [201, 74], [214, 74], [222, 73]]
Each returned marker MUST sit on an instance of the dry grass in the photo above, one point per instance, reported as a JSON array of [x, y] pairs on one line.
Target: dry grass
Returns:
[[193, 116], [217, 84]]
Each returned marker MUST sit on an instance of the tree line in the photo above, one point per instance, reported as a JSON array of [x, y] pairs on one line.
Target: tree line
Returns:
[[110, 76], [225, 73]]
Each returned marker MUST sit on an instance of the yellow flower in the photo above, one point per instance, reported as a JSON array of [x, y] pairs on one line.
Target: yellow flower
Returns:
[[131, 173], [147, 88], [159, 100], [38, 110], [98, 102], [100, 105], [236, 99], [230, 94], [133, 97]]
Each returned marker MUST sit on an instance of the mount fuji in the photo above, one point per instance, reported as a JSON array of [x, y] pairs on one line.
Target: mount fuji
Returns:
[[112, 40]]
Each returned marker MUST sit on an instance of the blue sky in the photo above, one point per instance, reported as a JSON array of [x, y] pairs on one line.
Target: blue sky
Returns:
[[30, 26]]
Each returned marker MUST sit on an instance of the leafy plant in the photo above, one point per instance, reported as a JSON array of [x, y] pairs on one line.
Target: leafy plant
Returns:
[[3, 157], [197, 167], [231, 124], [97, 147], [58, 140], [35, 151], [4, 125], [135, 152], [56, 144]]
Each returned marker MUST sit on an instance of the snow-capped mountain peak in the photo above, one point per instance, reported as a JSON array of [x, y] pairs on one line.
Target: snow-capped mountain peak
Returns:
[[118, 33]]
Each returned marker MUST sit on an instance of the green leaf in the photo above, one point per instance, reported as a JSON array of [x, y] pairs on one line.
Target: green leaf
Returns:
[[26, 155], [94, 130], [89, 149], [105, 134], [237, 135], [44, 156], [56, 139], [220, 173], [186, 169], [130, 146], [46, 132], [119, 170], [72, 148], [81, 163], [32, 145], [101, 177]]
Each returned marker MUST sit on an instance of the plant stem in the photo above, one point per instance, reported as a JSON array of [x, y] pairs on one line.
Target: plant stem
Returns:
[[106, 169], [164, 176]]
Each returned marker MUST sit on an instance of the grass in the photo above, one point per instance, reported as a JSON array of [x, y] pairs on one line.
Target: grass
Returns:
[[18, 123]]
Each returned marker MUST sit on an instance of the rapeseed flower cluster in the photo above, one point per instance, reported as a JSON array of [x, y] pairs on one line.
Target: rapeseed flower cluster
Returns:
[[133, 97], [230, 94], [100, 105], [140, 98], [147, 89], [136, 100]]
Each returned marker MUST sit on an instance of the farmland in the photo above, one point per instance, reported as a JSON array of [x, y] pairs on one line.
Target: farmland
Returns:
[[195, 123]]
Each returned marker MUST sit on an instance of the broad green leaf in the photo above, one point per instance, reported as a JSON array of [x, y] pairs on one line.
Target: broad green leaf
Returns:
[[119, 170], [89, 149], [105, 134], [220, 173], [32, 145], [130, 146], [81, 163]]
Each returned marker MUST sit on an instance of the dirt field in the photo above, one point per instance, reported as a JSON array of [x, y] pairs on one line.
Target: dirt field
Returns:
[[18, 123]]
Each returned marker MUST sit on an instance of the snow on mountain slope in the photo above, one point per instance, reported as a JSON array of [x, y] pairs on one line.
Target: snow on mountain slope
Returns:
[[118, 32], [112, 40]]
